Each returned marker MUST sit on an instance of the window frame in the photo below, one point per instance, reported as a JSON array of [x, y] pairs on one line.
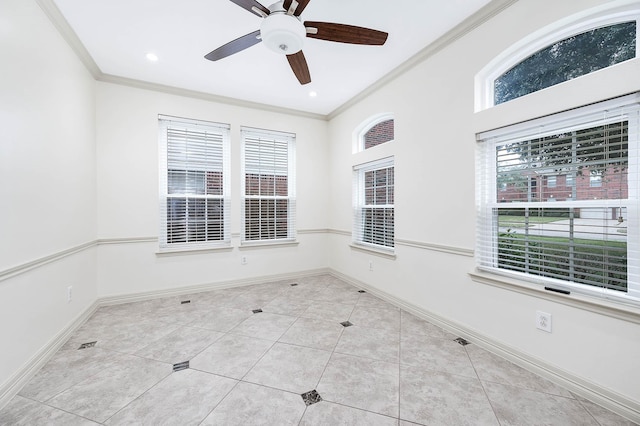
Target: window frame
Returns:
[[595, 180], [359, 204], [361, 131], [222, 131], [281, 137], [486, 258], [556, 32], [552, 181]]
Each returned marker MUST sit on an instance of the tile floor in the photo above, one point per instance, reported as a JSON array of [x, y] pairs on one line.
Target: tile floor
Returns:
[[293, 363]]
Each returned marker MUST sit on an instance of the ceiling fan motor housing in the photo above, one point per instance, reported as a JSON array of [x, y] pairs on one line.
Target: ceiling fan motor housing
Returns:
[[282, 33]]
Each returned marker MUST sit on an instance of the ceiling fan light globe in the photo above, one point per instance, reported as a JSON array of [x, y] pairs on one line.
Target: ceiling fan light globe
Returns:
[[282, 33]]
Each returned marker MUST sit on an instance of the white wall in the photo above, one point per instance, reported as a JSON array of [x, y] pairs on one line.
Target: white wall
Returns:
[[47, 184], [79, 162], [127, 152], [79, 170], [434, 147]]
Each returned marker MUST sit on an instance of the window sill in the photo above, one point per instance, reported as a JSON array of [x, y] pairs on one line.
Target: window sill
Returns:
[[600, 306], [249, 245], [196, 250], [388, 254]]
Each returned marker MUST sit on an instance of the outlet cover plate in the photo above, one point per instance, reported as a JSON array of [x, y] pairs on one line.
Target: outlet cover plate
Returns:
[[543, 321]]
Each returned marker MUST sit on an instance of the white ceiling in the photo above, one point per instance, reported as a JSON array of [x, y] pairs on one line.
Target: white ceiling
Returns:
[[119, 33]]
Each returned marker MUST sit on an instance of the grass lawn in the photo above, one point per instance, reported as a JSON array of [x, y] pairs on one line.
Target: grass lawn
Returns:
[[592, 262], [519, 221]]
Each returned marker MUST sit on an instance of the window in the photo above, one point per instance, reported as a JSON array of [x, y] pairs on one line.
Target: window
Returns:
[[269, 185], [378, 134], [552, 181], [587, 238], [590, 40], [570, 180], [566, 59], [374, 204], [194, 184], [376, 130], [595, 179]]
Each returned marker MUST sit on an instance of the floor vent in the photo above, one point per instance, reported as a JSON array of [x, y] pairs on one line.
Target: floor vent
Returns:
[[346, 324], [257, 311], [181, 366], [461, 341], [87, 345], [311, 397]]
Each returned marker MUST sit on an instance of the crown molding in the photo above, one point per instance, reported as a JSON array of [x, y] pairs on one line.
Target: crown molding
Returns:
[[57, 19], [69, 35], [472, 22], [172, 90], [469, 24]]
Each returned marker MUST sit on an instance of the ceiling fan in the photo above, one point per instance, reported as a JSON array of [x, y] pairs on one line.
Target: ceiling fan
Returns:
[[283, 32]]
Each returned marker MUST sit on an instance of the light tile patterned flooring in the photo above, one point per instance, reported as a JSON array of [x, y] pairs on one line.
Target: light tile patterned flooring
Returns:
[[387, 368]]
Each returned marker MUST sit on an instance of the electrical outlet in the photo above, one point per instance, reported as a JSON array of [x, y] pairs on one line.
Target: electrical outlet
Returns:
[[243, 260], [543, 321], [69, 293], [371, 265]]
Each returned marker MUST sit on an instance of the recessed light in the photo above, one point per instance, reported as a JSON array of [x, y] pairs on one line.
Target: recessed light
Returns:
[[152, 57], [313, 94]]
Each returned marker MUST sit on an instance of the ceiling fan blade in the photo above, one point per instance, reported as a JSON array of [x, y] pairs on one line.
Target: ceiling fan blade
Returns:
[[345, 33], [301, 6], [234, 46], [299, 66], [251, 6]]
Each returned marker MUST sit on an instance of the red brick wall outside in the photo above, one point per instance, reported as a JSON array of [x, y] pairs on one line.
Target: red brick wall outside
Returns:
[[266, 185], [614, 186], [380, 133]]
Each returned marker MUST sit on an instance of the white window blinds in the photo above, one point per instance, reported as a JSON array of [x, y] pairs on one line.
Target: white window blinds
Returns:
[[542, 218], [269, 185], [194, 184], [373, 201]]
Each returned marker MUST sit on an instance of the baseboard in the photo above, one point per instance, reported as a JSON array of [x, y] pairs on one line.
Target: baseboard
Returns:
[[582, 387], [177, 291], [14, 384]]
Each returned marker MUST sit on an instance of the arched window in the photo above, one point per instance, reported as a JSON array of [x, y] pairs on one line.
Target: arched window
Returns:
[[373, 185], [559, 53], [380, 133], [556, 188], [375, 131], [566, 59]]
